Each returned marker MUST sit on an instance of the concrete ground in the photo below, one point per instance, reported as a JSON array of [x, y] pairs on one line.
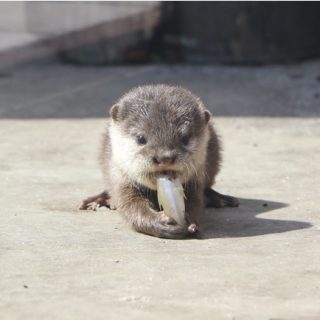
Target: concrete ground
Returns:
[[258, 261]]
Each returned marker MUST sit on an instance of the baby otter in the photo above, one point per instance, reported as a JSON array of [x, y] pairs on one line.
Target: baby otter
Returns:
[[159, 130]]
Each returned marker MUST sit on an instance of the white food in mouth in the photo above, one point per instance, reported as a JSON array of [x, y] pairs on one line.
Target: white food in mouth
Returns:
[[171, 199]]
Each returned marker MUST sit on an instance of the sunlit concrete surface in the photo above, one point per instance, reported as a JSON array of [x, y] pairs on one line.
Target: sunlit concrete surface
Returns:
[[258, 261]]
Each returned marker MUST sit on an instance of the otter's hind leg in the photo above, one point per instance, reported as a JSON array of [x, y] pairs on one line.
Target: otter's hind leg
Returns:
[[93, 203], [215, 199]]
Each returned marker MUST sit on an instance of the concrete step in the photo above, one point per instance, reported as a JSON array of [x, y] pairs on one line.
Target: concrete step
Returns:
[[32, 30]]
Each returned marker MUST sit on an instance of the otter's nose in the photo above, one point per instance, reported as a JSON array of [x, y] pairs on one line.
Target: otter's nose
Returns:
[[164, 160]]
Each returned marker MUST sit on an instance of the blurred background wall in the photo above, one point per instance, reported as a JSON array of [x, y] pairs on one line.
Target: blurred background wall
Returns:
[[243, 32], [97, 33]]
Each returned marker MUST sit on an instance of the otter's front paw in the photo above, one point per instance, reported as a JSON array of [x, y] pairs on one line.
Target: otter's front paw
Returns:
[[163, 226], [93, 203], [168, 228], [215, 199]]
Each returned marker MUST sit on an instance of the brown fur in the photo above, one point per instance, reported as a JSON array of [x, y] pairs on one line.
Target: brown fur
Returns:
[[165, 115]]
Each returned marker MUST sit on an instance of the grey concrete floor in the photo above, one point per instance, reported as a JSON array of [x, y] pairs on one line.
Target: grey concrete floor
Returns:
[[258, 261]]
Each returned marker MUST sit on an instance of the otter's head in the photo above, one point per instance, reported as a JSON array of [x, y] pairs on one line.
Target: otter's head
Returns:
[[159, 131]]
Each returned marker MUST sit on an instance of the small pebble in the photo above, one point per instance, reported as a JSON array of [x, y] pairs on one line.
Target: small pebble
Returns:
[[265, 205], [192, 228], [25, 286]]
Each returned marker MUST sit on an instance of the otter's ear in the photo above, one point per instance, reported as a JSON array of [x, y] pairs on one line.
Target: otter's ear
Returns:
[[114, 112], [207, 116]]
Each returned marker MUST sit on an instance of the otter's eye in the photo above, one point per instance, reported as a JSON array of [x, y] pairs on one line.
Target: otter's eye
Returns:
[[141, 140], [185, 140]]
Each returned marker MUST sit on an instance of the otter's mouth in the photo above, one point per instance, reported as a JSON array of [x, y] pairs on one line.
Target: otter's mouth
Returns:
[[171, 174]]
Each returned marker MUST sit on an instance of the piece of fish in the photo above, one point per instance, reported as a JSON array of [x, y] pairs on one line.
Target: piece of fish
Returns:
[[171, 199]]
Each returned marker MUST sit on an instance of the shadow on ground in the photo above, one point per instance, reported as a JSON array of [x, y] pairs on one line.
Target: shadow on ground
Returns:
[[243, 221], [53, 90]]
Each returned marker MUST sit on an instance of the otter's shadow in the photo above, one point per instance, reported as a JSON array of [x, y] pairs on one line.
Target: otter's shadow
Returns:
[[243, 221]]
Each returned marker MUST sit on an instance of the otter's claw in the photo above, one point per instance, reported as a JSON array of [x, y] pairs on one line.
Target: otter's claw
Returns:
[[95, 202]]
